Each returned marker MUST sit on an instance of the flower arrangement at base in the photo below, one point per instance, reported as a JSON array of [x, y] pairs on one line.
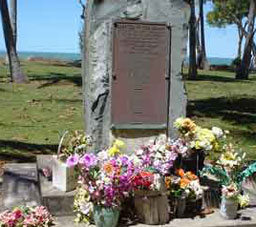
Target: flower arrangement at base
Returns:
[[196, 143], [197, 139], [228, 170], [104, 182], [26, 217], [182, 188], [71, 145], [184, 184], [75, 142]]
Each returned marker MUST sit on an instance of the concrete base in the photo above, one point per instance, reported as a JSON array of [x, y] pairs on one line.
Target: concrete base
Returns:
[[247, 219], [58, 202], [20, 185]]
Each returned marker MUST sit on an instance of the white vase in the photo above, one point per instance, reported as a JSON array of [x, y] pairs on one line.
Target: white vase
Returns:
[[228, 208], [63, 177]]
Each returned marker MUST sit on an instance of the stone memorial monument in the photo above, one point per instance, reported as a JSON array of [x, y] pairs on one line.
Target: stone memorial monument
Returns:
[[132, 83]]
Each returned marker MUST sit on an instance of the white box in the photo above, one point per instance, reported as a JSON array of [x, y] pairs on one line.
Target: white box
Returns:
[[63, 177]]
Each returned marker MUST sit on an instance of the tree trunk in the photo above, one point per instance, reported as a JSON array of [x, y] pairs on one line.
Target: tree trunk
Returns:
[[203, 63], [239, 50], [13, 14], [243, 72], [192, 42], [14, 64]]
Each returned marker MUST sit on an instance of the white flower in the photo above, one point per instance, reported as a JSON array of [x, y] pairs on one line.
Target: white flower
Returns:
[[86, 207], [139, 152], [217, 132]]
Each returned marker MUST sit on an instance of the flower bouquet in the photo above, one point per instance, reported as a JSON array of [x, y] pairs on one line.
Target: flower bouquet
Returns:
[[26, 217], [228, 169], [104, 183], [182, 188], [152, 161], [195, 143], [64, 177]]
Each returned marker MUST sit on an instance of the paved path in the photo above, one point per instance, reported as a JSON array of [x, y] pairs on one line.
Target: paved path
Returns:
[[247, 219]]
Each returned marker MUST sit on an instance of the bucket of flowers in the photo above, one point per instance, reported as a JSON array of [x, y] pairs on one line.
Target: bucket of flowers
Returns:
[[63, 176], [229, 171], [183, 189], [197, 143], [104, 183], [26, 216], [152, 162]]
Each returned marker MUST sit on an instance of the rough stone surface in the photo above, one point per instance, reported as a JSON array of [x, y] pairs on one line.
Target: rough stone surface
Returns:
[[98, 60], [20, 185]]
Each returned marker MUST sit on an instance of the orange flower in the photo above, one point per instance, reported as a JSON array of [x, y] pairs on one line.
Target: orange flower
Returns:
[[184, 182], [180, 172], [108, 168], [191, 176], [167, 181]]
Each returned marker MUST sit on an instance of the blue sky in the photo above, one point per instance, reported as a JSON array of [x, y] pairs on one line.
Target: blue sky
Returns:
[[53, 25]]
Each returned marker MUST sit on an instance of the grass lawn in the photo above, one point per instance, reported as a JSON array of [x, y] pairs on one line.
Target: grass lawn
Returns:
[[216, 98], [32, 116]]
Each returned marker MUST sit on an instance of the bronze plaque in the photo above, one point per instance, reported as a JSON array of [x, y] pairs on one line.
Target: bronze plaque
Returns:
[[141, 63]]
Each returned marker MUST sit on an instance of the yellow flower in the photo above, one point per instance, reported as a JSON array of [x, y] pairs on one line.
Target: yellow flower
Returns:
[[119, 144], [113, 151], [243, 200]]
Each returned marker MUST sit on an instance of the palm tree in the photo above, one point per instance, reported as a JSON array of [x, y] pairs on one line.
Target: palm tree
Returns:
[[202, 60], [14, 64], [192, 42], [243, 72]]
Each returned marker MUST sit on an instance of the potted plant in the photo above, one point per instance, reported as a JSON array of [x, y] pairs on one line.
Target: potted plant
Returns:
[[63, 176], [182, 188], [104, 183], [153, 161], [228, 169], [26, 216]]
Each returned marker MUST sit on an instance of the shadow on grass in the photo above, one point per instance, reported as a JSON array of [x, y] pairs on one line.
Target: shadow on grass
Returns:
[[239, 110], [21, 151], [53, 78], [215, 78]]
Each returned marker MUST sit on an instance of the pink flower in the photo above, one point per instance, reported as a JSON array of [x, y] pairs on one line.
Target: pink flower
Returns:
[[73, 160]]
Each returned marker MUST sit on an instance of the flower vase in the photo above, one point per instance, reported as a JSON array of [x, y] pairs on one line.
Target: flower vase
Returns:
[[194, 163], [151, 207], [63, 177], [180, 204], [228, 208], [105, 216]]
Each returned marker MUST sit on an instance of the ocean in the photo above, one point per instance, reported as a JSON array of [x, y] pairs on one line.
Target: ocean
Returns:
[[46, 55], [77, 56]]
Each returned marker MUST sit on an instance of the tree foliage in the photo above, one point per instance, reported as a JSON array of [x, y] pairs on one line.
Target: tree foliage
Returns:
[[227, 12]]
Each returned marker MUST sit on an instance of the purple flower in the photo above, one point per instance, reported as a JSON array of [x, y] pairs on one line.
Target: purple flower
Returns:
[[72, 160], [88, 160], [124, 160]]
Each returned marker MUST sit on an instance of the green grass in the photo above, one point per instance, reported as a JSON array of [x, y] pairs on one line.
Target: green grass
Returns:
[[216, 98], [33, 115]]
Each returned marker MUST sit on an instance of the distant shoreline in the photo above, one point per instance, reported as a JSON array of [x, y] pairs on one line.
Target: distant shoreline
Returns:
[[25, 55], [76, 56]]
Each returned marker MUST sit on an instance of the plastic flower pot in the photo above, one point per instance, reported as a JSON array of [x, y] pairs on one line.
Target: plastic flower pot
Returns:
[[63, 177], [228, 208], [105, 216]]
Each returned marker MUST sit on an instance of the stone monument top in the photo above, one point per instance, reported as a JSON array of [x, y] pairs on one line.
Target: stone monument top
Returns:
[[134, 49]]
